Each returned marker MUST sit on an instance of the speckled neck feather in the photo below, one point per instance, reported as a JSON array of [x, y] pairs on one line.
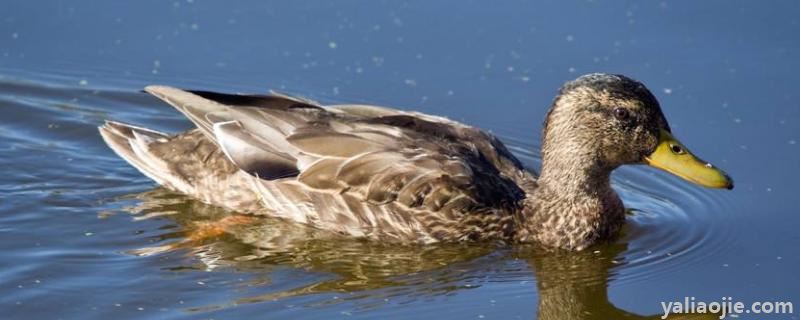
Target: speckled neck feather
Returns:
[[574, 204]]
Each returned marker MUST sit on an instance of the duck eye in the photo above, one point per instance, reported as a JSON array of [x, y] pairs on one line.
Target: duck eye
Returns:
[[621, 113], [676, 149]]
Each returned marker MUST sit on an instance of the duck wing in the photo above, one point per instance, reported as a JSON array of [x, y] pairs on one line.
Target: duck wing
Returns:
[[414, 163]]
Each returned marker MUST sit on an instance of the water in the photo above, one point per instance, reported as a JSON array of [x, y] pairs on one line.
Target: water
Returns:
[[76, 221]]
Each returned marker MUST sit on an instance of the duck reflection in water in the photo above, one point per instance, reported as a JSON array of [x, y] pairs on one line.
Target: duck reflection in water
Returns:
[[570, 285]]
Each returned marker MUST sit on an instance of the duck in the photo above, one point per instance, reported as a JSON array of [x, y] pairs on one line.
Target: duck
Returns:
[[397, 176]]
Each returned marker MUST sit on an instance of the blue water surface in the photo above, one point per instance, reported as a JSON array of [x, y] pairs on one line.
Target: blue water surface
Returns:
[[74, 218]]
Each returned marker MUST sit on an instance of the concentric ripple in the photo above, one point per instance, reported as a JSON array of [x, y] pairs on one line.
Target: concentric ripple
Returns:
[[674, 224]]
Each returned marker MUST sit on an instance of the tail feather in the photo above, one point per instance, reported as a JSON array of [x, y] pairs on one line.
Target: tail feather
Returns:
[[132, 144]]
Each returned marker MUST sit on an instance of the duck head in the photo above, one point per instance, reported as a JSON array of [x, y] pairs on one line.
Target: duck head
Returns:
[[606, 121], [597, 123]]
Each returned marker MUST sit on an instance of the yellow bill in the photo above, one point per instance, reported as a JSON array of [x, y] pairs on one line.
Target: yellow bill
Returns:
[[673, 157]]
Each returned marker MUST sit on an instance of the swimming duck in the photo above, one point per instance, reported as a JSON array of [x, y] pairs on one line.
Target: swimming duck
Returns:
[[391, 175]]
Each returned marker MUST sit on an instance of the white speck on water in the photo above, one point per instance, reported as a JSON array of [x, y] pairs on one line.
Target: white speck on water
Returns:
[[769, 189], [194, 26], [411, 82], [525, 78], [792, 141], [571, 70], [336, 91], [570, 38], [37, 281], [359, 69], [88, 234], [117, 304], [779, 258], [667, 90], [83, 82], [737, 120], [332, 45], [725, 265], [480, 316], [743, 147], [450, 92], [140, 308], [201, 283], [15, 35], [510, 69]]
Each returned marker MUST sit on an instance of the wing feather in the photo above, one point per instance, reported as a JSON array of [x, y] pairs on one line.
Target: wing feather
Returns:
[[328, 143], [252, 154], [352, 162], [322, 174]]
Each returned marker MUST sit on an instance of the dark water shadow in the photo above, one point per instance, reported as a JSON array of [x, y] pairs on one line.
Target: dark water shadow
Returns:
[[570, 285]]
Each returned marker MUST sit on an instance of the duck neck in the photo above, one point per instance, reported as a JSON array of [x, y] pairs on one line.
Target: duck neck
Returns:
[[574, 204], [575, 175]]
